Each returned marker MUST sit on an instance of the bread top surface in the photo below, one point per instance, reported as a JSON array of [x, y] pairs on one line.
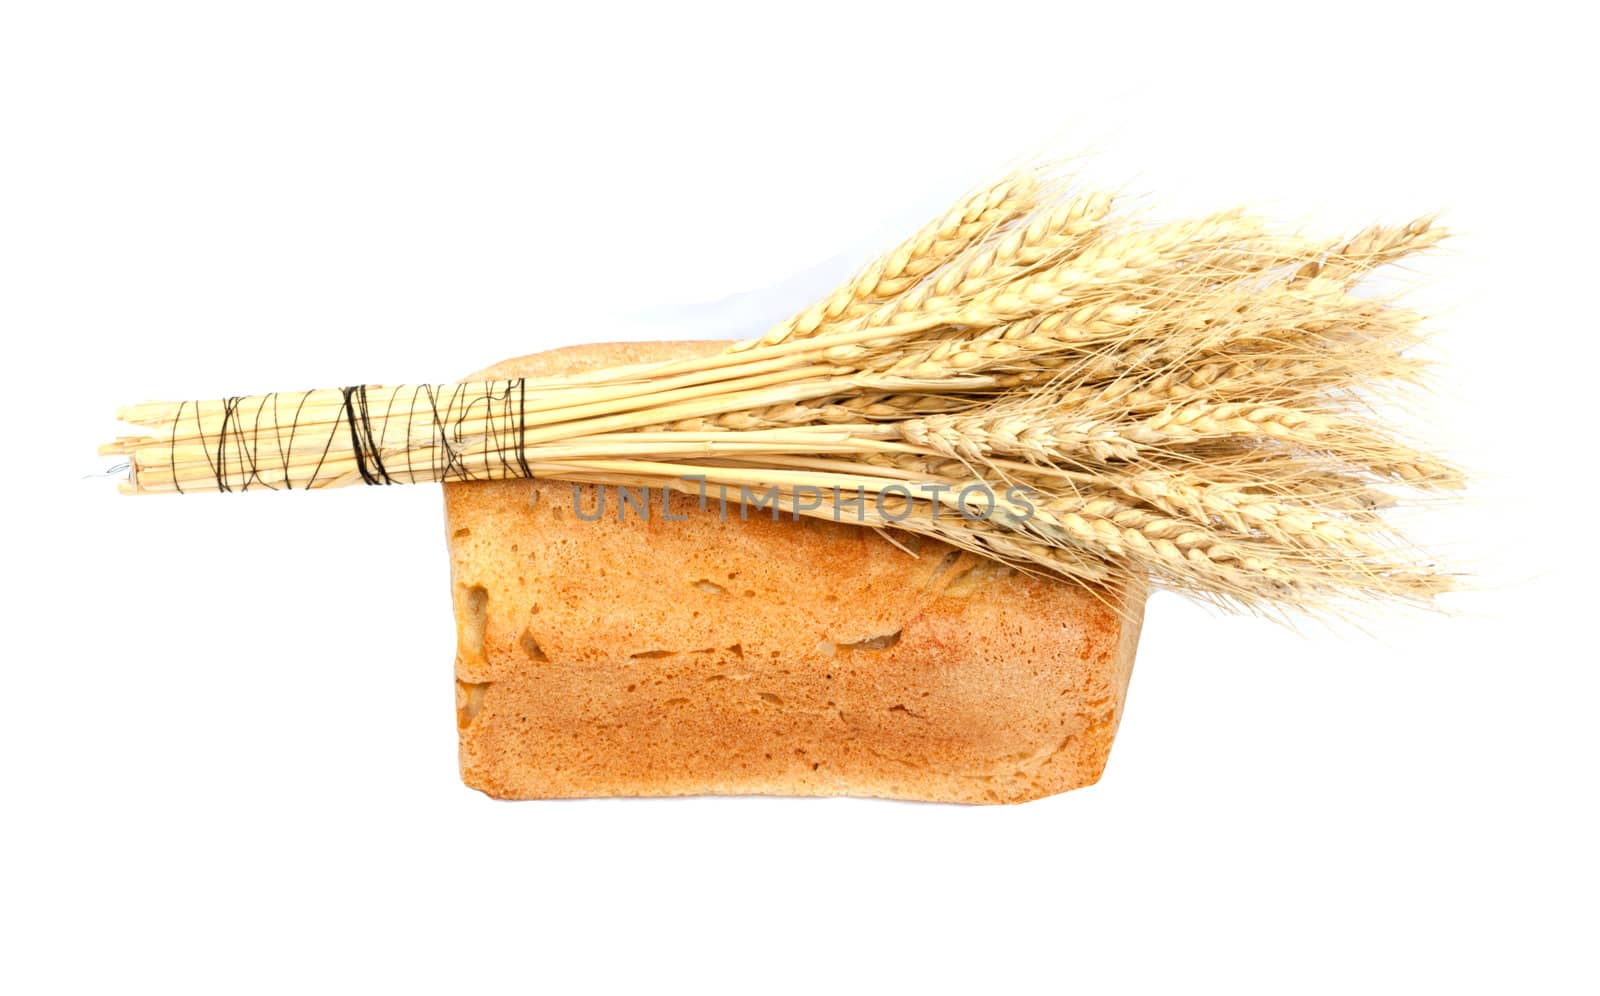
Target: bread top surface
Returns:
[[596, 356]]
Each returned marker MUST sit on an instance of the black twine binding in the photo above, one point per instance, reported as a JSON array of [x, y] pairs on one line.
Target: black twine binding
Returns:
[[229, 406], [361, 442], [522, 426]]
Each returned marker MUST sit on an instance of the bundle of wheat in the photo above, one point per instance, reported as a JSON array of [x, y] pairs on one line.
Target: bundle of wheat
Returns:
[[1033, 376]]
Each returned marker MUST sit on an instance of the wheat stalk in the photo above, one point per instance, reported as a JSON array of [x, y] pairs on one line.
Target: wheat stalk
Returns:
[[1190, 402]]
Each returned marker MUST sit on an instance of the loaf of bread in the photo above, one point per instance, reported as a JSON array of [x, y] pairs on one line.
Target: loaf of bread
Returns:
[[720, 656]]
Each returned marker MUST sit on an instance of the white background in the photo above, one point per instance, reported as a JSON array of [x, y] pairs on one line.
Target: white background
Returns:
[[229, 748]]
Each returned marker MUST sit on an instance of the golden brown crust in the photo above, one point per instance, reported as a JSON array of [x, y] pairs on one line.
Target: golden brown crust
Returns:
[[783, 658]]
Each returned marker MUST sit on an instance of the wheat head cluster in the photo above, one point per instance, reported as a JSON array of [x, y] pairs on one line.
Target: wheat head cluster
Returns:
[[1196, 403]]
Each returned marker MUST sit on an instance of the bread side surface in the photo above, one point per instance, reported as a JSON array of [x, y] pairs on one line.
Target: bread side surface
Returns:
[[719, 656]]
